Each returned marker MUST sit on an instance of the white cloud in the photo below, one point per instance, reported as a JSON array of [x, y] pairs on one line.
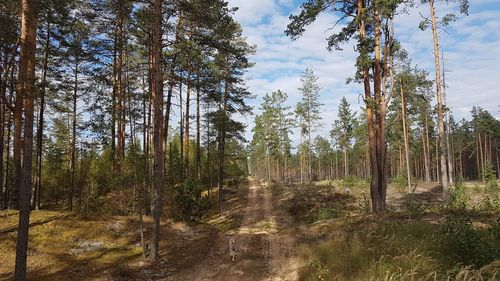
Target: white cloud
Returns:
[[472, 51]]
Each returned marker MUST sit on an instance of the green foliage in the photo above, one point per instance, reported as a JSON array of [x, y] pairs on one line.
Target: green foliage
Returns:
[[495, 231], [414, 208], [388, 251], [308, 109], [344, 126], [191, 204], [271, 133], [491, 197], [405, 251], [466, 245], [354, 182], [489, 176], [327, 213], [321, 272], [400, 181], [459, 199]]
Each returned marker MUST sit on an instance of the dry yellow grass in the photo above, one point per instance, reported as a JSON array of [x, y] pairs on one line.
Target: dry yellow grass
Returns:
[[59, 247]]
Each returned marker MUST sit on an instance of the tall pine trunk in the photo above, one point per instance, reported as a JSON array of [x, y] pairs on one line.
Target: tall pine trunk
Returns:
[[186, 123], [441, 132], [73, 138], [25, 84], [405, 137], [198, 128], [346, 166], [157, 100], [222, 144], [181, 130], [39, 139], [120, 85], [6, 183], [425, 142]]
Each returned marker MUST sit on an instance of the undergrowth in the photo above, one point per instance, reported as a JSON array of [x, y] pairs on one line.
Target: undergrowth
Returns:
[[406, 251], [191, 203]]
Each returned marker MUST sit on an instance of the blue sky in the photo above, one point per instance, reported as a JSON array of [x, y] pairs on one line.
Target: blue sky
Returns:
[[471, 47]]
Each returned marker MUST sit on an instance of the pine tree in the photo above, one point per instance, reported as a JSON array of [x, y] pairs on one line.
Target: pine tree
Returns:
[[308, 112], [26, 80], [464, 6], [343, 129], [271, 136], [373, 21], [156, 72]]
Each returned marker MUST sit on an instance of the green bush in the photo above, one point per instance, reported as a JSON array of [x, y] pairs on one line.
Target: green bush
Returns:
[[400, 181], [489, 176], [191, 204], [459, 199], [464, 244], [491, 203], [354, 182], [386, 251], [414, 208], [495, 231], [491, 198], [328, 213]]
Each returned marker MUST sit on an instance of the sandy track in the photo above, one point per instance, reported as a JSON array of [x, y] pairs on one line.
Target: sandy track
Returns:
[[266, 251]]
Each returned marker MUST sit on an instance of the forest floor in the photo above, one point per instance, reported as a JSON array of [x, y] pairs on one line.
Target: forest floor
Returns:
[[64, 245], [264, 241], [282, 232]]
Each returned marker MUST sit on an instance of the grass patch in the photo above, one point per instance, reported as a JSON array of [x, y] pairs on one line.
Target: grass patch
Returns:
[[312, 203], [50, 247], [10, 219], [327, 213], [389, 251]]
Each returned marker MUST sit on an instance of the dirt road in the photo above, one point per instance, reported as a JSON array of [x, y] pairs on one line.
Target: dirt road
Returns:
[[266, 249]]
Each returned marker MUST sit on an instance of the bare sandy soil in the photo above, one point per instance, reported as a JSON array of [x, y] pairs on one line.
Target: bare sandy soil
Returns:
[[266, 248]]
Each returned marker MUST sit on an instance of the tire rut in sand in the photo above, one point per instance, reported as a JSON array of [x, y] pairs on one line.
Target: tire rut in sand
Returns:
[[263, 252]]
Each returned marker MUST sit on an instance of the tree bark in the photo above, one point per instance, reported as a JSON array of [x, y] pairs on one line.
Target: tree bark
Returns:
[[120, 89], [25, 83], [405, 137], [39, 139], [186, 125], [425, 142], [346, 166], [6, 183], [441, 132], [73, 137], [198, 129], [157, 99], [377, 130], [447, 128], [222, 143], [181, 130]]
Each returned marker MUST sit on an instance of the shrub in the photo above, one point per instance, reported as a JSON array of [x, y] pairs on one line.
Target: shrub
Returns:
[[400, 181], [495, 232], [491, 199], [489, 176], [414, 208], [364, 203], [459, 199], [328, 213], [354, 182], [390, 251], [464, 244], [190, 201], [491, 203]]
